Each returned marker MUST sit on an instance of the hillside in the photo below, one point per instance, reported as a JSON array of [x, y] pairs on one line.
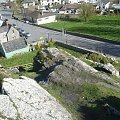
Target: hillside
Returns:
[[79, 87]]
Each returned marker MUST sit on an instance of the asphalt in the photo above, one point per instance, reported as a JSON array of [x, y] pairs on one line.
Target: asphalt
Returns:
[[91, 44]]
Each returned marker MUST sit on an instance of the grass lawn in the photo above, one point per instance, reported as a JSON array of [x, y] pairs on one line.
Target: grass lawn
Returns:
[[18, 60], [101, 26]]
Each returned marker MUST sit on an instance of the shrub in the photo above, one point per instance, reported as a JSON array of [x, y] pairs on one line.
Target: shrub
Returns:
[[99, 58], [51, 43]]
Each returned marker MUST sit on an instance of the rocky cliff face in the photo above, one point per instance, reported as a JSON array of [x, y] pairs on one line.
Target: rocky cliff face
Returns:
[[69, 69], [24, 99]]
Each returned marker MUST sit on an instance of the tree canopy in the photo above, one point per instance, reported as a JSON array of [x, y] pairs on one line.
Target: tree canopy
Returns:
[[86, 11]]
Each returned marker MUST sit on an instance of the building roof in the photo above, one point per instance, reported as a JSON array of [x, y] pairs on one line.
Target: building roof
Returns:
[[37, 14], [57, 6], [28, 1], [14, 45], [70, 6]]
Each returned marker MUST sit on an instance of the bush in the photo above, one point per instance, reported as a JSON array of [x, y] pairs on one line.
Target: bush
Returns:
[[51, 43], [98, 58]]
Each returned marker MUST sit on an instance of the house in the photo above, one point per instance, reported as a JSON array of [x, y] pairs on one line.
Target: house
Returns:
[[14, 47], [40, 17], [56, 8], [49, 2], [69, 9], [10, 41], [8, 33], [27, 3], [70, 1]]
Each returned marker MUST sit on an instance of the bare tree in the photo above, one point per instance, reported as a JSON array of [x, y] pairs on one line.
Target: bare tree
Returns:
[[86, 11]]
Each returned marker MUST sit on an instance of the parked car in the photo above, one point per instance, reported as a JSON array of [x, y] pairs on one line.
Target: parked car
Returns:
[[21, 31], [14, 25], [26, 21], [27, 34]]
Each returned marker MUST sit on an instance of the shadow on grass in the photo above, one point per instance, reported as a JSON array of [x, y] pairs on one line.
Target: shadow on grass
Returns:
[[106, 22], [98, 112], [71, 20], [111, 33], [43, 75]]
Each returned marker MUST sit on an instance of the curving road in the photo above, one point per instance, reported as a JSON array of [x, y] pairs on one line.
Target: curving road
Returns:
[[36, 32]]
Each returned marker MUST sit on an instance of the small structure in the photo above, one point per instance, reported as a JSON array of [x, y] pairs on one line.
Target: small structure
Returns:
[[40, 17], [10, 48], [10, 41]]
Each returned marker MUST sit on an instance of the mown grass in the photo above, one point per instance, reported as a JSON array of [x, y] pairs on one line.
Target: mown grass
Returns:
[[18, 59], [101, 26]]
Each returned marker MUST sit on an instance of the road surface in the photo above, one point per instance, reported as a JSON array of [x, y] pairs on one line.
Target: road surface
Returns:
[[36, 32]]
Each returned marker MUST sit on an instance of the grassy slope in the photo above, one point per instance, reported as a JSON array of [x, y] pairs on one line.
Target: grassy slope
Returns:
[[85, 101], [101, 26]]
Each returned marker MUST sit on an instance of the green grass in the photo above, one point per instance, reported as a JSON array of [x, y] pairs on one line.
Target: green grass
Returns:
[[85, 100], [117, 65], [101, 26], [18, 59], [82, 101]]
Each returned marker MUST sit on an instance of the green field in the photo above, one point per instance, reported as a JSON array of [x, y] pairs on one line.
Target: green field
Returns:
[[101, 26]]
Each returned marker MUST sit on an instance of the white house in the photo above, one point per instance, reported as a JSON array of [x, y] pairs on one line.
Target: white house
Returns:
[[8, 33], [40, 17], [79, 1], [71, 1], [27, 3], [49, 2]]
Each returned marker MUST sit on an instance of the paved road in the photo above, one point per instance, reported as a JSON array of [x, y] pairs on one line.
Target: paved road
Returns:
[[36, 32]]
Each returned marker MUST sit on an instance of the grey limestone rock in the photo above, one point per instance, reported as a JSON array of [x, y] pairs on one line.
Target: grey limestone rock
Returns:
[[26, 100]]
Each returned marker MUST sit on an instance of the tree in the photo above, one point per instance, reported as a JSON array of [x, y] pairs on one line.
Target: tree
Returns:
[[86, 11], [17, 6]]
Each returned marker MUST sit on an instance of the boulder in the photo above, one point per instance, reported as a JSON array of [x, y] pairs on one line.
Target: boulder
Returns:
[[26, 100], [110, 68]]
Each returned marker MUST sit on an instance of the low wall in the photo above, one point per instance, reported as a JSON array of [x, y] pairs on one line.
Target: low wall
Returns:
[[78, 49]]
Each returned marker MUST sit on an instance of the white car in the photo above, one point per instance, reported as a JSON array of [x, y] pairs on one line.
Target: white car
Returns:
[[26, 35], [21, 31]]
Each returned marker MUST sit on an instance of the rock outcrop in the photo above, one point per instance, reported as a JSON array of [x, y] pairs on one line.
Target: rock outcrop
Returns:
[[110, 68], [24, 99], [73, 70]]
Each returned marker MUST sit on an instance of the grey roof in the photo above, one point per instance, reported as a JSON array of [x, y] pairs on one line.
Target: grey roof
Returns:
[[3, 29], [28, 1], [14, 45], [37, 14]]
